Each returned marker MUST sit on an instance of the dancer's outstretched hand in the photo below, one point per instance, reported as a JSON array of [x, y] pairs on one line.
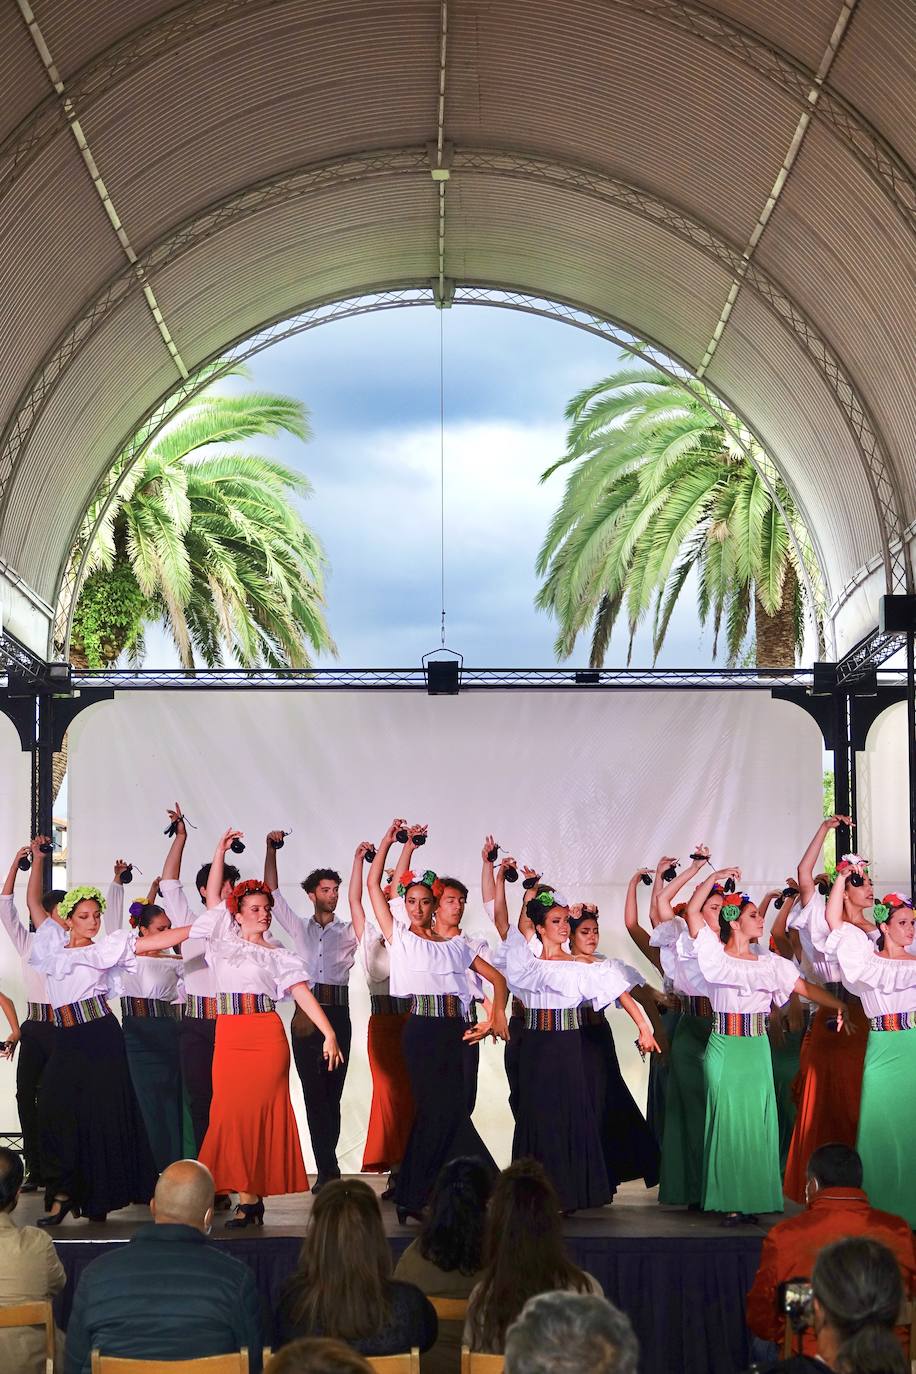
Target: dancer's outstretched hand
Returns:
[[331, 1053]]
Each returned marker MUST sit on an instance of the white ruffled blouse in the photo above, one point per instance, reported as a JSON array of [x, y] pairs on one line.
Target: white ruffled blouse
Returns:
[[883, 985], [678, 957], [740, 985], [810, 921], [241, 965], [74, 975], [199, 980], [557, 984], [34, 983], [422, 967]]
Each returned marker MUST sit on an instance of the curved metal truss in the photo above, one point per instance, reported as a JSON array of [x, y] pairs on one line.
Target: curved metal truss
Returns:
[[565, 312]]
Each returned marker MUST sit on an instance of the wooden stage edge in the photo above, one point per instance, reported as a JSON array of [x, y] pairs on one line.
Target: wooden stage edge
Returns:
[[634, 1214]]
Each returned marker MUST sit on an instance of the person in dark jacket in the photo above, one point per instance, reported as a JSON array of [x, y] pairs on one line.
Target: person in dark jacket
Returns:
[[167, 1294], [343, 1286]]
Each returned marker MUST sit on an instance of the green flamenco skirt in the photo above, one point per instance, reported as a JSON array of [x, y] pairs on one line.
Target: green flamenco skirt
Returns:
[[681, 1181], [786, 1057], [887, 1122], [741, 1172]]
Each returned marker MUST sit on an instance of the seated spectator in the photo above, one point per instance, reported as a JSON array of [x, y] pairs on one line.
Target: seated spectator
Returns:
[[167, 1294], [857, 1295], [524, 1255], [446, 1258], [566, 1333], [837, 1207], [29, 1272], [317, 1356], [343, 1286]]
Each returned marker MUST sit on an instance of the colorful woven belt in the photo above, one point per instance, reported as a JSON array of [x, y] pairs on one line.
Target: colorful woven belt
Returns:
[[200, 1008], [552, 1018], [331, 994], [697, 1006], [39, 1011], [448, 1005], [518, 1007], [739, 1022], [381, 1004], [244, 1003], [894, 1020], [81, 1013], [149, 1006], [839, 991]]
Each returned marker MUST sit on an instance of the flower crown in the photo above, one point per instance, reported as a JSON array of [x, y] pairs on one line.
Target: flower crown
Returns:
[[244, 889], [428, 878], [733, 905], [892, 901], [79, 894]]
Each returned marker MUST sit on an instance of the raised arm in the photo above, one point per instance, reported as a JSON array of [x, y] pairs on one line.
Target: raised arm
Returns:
[[271, 877], [525, 923], [355, 889], [11, 877], [379, 901], [487, 880], [780, 934], [635, 931], [500, 904], [809, 860], [665, 892], [171, 869], [694, 912], [835, 901], [215, 880], [33, 893]]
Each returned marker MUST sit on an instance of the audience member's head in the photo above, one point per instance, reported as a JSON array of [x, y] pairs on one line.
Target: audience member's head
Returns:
[[452, 1234], [11, 1176], [524, 1252], [833, 1166], [340, 1287], [565, 1333], [184, 1195], [858, 1294], [317, 1355]]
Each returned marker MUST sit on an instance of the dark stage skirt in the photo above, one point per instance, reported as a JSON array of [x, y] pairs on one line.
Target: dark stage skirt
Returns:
[[155, 1070], [392, 1111], [785, 1052], [630, 1150], [252, 1142], [685, 1113], [658, 1076], [510, 1059], [829, 1089], [94, 1147], [556, 1121], [433, 1049]]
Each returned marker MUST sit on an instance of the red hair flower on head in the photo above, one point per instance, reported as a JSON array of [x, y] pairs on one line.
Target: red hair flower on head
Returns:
[[244, 889], [438, 888]]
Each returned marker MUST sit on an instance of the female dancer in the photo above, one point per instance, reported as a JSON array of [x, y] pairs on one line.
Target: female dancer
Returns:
[[432, 971], [788, 1023], [392, 1111], [741, 1167], [668, 1009], [151, 998], [94, 1150], [630, 1150], [252, 1144], [681, 1181], [556, 1121], [831, 1065], [883, 975], [493, 891]]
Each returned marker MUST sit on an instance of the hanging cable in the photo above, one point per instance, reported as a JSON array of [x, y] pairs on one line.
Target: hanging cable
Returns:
[[442, 469]]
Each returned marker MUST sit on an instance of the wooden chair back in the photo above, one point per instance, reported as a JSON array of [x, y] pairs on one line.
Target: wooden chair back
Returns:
[[408, 1363], [473, 1362], [450, 1309], [236, 1363], [32, 1314]]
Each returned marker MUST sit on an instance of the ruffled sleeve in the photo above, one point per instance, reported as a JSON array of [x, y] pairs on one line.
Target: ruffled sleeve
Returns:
[[288, 969], [604, 982], [50, 955], [860, 963], [175, 903], [781, 974], [812, 919], [664, 938], [214, 924]]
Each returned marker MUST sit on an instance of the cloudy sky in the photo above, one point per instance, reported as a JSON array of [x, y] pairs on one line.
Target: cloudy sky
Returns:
[[371, 386]]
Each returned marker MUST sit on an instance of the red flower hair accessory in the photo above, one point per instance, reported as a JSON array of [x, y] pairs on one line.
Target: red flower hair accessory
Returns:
[[438, 888], [244, 889]]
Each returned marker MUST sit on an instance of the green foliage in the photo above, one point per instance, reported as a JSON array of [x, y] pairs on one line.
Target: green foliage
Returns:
[[205, 538], [657, 489], [830, 810]]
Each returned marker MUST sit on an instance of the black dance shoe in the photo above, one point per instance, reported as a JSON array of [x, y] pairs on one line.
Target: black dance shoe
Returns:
[[247, 1214], [391, 1187], [404, 1212], [30, 1184], [66, 1205], [222, 1203], [738, 1219]]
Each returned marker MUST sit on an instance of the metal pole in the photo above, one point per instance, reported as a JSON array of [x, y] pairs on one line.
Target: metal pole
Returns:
[[43, 779], [842, 772], [911, 746]]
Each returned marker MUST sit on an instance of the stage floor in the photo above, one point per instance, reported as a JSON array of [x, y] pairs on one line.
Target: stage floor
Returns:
[[635, 1213]]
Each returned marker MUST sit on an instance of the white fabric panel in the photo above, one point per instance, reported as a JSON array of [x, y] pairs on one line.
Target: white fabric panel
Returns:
[[883, 802], [585, 786], [14, 831]]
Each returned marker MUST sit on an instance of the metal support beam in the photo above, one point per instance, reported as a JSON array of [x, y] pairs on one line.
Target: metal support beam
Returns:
[[911, 746]]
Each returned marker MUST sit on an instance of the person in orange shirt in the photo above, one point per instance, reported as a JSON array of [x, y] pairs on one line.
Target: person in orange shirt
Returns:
[[837, 1208]]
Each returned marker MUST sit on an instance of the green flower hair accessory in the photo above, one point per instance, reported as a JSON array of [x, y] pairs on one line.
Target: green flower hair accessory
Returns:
[[79, 894], [880, 912], [546, 899], [893, 901]]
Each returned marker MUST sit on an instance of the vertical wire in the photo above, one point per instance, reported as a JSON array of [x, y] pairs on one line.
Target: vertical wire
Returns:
[[442, 470]]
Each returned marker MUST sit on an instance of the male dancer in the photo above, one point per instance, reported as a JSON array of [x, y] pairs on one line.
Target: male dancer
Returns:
[[328, 948]]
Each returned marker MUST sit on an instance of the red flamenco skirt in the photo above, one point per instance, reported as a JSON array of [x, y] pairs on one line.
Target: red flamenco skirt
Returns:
[[392, 1112], [252, 1142], [829, 1088]]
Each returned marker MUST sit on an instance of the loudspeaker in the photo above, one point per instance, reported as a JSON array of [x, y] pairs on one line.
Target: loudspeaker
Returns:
[[897, 614], [443, 677]]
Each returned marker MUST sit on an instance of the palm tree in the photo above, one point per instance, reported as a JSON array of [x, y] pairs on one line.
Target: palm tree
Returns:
[[660, 489], [203, 537]]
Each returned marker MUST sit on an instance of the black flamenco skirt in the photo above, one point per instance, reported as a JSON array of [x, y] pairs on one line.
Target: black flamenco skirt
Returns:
[[434, 1052], [630, 1149], [556, 1123], [94, 1147], [512, 1051]]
